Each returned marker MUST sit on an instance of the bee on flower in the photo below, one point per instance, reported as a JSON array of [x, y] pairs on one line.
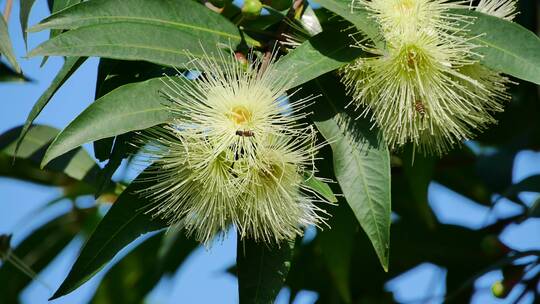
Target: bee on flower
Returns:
[[421, 81], [235, 152]]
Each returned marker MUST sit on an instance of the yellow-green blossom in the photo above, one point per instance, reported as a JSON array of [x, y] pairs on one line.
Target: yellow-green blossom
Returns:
[[233, 153]]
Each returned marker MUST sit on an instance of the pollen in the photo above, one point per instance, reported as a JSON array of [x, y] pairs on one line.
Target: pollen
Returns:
[[240, 115]]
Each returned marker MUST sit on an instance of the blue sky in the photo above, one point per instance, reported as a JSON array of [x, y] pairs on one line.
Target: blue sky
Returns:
[[202, 279]]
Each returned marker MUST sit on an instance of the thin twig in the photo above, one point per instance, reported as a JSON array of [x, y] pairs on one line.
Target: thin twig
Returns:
[[7, 10]]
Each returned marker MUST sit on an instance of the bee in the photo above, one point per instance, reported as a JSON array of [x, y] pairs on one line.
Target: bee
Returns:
[[419, 107], [247, 133]]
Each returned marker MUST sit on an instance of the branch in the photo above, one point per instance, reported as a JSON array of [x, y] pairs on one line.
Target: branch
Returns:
[[7, 10]]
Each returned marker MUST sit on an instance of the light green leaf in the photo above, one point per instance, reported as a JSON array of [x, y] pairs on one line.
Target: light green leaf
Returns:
[[70, 66], [262, 270], [320, 187], [6, 48], [506, 46], [134, 106], [320, 54], [361, 162], [163, 32], [123, 223]]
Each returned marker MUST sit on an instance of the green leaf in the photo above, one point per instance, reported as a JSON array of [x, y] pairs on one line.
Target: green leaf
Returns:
[[163, 32], [320, 54], [24, 13], [506, 46], [262, 270], [6, 48], [36, 252], [77, 164], [361, 162], [9, 75], [358, 17], [124, 222], [418, 171], [134, 106], [70, 66], [534, 211], [132, 278], [529, 184], [320, 187]]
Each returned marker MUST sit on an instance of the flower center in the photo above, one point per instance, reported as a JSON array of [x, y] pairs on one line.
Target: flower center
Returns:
[[240, 115]]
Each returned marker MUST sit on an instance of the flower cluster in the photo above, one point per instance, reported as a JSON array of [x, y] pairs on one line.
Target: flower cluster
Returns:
[[421, 80], [235, 152]]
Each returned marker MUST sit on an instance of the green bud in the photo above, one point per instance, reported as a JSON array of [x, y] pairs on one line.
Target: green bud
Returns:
[[252, 9], [498, 290]]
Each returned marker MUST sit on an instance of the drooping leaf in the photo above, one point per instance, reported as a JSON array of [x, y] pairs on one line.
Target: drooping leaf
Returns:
[[7, 74], [162, 32], [124, 222], [131, 107], [336, 246], [36, 252], [262, 270], [24, 12], [320, 54], [6, 49], [132, 278], [77, 164], [418, 171], [361, 162], [70, 66], [505, 46]]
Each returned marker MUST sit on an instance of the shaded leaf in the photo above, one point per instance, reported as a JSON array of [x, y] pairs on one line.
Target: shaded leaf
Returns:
[[6, 48], [262, 270], [361, 162], [506, 46], [358, 17], [76, 164], [37, 251], [124, 222], [70, 66], [7, 74]]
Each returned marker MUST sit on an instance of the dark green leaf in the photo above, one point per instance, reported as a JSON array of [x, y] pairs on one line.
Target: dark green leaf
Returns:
[[36, 252], [24, 13], [361, 162], [6, 48], [358, 17], [7, 74], [506, 46], [418, 170], [535, 209], [70, 66], [124, 222], [131, 107], [322, 53], [163, 32], [77, 164], [262, 270]]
